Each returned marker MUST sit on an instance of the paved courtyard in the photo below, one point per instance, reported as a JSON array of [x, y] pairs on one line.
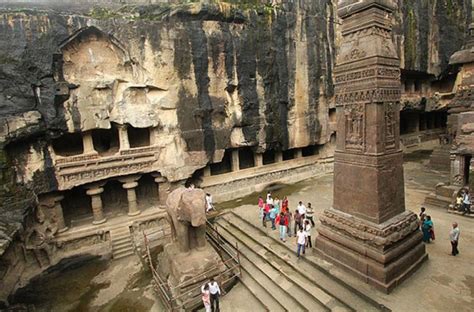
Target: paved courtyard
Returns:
[[442, 283]]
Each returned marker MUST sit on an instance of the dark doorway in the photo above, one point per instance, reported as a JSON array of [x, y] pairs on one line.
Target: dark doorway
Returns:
[[224, 166], [106, 141], [138, 137], [268, 157], [76, 205], [68, 144], [246, 159]]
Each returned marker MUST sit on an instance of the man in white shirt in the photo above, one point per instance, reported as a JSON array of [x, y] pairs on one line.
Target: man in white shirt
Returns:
[[454, 237], [300, 241], [215, 293], [301, 209]]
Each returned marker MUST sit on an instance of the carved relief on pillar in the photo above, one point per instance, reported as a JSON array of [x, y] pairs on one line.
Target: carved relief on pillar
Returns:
[[354, 118], [391, 109]]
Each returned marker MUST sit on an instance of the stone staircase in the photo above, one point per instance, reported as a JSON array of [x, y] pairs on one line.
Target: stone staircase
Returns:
[[121, 243], [282, 282], [440, 158]]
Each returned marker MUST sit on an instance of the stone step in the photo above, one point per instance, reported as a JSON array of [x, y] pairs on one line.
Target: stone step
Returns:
[[309, 293], [116, 245], [262, 294], [123, 254], [121, 239], [308, 266], [268, 279], [471, 215], [437, 201]]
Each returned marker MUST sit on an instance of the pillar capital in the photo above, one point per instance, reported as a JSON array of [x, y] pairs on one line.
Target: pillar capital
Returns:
[[96, 190], [129, 179], [130, 185]]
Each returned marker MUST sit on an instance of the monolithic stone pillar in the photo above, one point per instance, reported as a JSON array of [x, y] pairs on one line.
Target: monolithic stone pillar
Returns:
[[163, 188], [88, 143], [123, 137], [235, 160], [129, 184], [258, 159], [97, 209], [368, 231], [298, 153], [278, 156], [58, 210], [207, 171]]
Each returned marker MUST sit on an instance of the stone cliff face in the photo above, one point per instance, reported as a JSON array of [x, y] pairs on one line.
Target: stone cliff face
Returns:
[[205, 77]]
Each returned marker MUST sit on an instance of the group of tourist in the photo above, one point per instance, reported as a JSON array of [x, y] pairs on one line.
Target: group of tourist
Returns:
[[210, 293], [427, 228], [463, 201], [299, 223]]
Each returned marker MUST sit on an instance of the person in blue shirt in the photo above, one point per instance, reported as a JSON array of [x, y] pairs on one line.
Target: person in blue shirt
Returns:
[[273, 214]]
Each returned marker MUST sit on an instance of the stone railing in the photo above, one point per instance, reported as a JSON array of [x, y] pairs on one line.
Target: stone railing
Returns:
[[77, 170]]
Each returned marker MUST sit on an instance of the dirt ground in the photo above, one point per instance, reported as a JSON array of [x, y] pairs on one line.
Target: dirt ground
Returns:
[[442, 283]]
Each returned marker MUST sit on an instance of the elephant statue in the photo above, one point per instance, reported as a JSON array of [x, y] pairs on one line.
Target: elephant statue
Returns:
[[186, 208]]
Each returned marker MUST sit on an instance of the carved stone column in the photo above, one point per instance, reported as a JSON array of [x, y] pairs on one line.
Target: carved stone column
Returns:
[[258, 159], [207, 171], [58, 209], [298, 153], [235, 166], [88, 143], [278, 156], [129, 184], [163, 188], [123, 137], [457, 170], [368, 231], [97, 208]]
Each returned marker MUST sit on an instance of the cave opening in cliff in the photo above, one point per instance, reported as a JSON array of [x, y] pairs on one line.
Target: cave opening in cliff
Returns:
[[147, 192], [106, 141], [310, 150], [68, 144], [269, 157], [332, 114], [76, 206], [408, 122], [138, 137], [114, 198], [223, 166], [246, 158], [289, 154]]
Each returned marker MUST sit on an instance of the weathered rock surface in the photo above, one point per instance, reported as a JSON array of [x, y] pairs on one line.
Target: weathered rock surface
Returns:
[[208, 76]]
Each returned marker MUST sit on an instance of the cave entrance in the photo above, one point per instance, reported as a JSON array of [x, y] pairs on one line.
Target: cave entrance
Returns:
[[246, 158], [310, 150], [224, 166], [76, 206], [106, 141], [114, 199], [269, 157], [288, 154], [69, 144], [138, 137], [147, 192]]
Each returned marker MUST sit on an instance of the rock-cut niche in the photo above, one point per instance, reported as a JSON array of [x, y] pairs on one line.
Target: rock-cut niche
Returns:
[[92, 55]]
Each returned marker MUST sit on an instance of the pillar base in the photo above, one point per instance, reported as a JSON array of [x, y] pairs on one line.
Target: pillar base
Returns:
[[99, 221], [134, 213], [382, 255], [63, 229]]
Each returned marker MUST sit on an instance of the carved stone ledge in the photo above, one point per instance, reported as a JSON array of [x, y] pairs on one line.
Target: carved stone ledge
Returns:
[[376, 235]]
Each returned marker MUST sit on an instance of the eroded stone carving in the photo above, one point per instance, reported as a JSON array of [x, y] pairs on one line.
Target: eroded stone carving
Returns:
[[188, 260]]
